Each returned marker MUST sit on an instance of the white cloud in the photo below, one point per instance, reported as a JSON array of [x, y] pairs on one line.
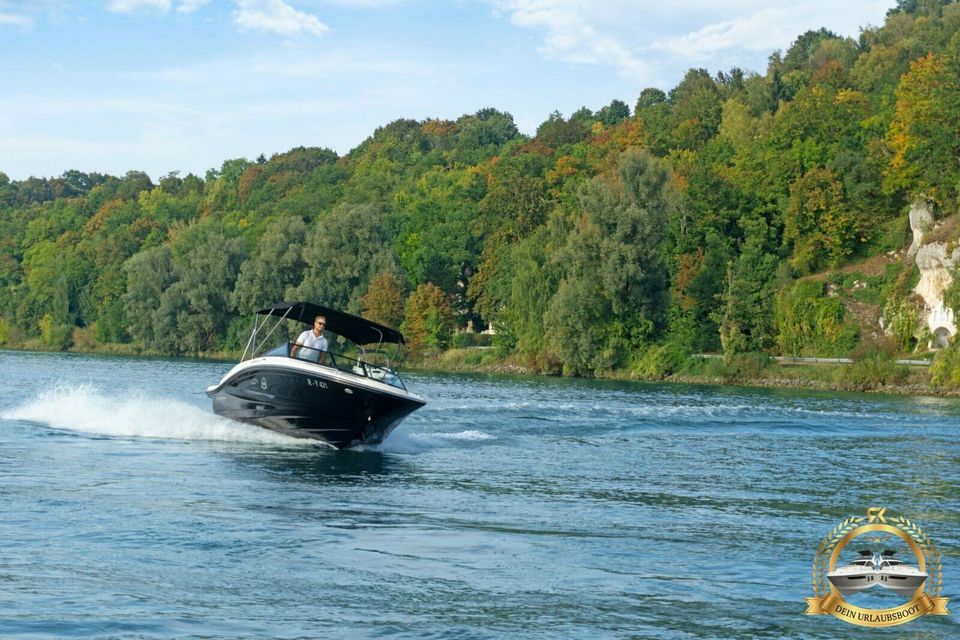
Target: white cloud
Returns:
[[189, 6], [366, 4], [15, 20], [642, 39], [764, 30], [129, 6], [276, 16]]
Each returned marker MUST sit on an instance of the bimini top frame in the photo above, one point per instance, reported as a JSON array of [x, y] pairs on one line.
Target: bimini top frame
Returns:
[[360, 331]]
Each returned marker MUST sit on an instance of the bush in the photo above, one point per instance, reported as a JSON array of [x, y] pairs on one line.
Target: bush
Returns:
[[746, 366], [945, 370], [54, 335], [873, 369], [892, 235], [903, 319], [658, 362], [84, 339], [466, 340], [811, 324]]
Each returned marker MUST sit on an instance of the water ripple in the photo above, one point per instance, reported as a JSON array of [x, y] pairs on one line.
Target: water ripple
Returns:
[[507, 507]]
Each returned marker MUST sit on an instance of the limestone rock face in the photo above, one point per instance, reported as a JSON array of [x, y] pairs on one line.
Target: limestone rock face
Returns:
[[921, 221], [935, 272], [936, 267]]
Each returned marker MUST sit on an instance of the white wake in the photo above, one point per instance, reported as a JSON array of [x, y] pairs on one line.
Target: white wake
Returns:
[[86, 409]]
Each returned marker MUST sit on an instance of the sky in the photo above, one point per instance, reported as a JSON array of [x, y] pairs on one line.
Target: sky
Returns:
[[160, 86]]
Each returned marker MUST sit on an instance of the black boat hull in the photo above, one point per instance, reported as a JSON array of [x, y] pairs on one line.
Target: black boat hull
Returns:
[[316, 402]]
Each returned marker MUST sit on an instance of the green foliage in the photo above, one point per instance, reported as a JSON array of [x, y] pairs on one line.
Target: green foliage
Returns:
[[746, 315], [903, 319], [466, 340], [196, 310], [945, 370], [748, 366], [925, 132], [819, 225], [606, 241], [873, 369], [951, 296], [54, 335], [697, 109], [615, 112], [556, 132], [660, 361], [276, 267], [428, 319], [342, 254], [811, 324], [612, 294], [436, 218], [384, 300]]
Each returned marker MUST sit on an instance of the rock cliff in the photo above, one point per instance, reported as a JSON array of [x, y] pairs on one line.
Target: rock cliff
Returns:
[[936, 263]]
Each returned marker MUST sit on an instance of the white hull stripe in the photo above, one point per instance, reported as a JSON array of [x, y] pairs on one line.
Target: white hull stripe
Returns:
[[328, 373]]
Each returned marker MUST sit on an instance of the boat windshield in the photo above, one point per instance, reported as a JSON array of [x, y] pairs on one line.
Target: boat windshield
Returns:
[[370, 361], [348, 362]]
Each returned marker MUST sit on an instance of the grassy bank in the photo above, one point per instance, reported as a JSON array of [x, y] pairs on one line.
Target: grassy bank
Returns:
[[873, 374], [870, 374]]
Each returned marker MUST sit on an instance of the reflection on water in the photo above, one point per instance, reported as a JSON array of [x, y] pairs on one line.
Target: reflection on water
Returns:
[[324, 466]]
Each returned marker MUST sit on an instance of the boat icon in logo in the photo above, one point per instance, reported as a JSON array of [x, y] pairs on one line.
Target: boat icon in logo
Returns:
[[877, 570], [920, 585]]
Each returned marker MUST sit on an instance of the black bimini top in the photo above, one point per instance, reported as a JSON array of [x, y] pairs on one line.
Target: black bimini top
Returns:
[[354, 328]]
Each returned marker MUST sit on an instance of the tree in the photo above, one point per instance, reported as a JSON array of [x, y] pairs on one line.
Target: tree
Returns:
[[201, 301], [746, 315], [555, 131], [428, 319], [384, 300], [811, 324], [819, 224], [919, 7], [613, 113], [342, 254], [925, 132], [801, 52], [649, 97], [275, 268], [704, 290], [149, 274], [697, 109], [437, 228], [612, 294]]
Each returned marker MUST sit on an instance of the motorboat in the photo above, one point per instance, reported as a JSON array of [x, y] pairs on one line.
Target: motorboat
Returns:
[[857, 576], [899, 577], [346, 395]]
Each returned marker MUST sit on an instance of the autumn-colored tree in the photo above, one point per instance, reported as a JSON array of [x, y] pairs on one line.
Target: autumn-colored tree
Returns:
[[384, 301], [925, 132], [819, 225], [428, 319]]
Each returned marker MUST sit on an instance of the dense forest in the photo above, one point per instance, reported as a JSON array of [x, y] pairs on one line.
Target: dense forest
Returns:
[[716, 217]]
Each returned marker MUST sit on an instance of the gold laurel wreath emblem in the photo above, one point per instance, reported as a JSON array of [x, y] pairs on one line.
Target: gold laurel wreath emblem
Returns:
[[926, 601]]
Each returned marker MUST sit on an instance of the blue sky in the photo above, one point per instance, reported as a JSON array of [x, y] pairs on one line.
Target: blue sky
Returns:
[[182, 85]]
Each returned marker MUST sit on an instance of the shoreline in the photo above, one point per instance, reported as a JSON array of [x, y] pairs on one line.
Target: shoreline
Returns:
[[917, 385], [444, 363]]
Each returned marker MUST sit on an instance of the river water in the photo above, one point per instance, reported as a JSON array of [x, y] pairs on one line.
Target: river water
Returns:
[[509, 507]]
